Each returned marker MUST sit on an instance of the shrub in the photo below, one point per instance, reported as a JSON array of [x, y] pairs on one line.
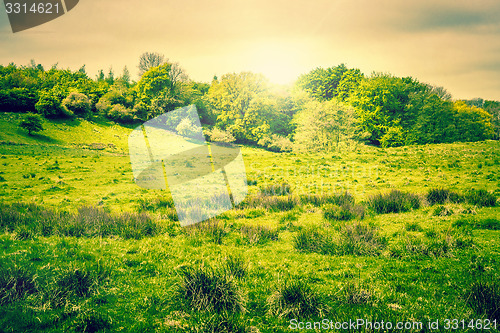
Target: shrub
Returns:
[[276, 143], [187, 128], [219, 135], [77, 103], [295, 299], [120, 113], [394, 202], [205, 289], [481, 198], [49, 105], [31, 122], [437, 196], [484, 299]]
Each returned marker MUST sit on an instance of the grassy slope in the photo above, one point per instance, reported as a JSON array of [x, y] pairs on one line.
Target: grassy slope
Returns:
[[138, 296]]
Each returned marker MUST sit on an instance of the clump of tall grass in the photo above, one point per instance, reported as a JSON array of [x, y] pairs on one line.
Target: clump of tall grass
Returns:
[[16, 282], [204, 288], [213, 229], [394, 202], [235, 265], [312, 240], [355, 238], [480, 197], [352, 293], [318, 200], [271, 203], [484, 298], [276, 190], [72, 283], [360, 239], [441, 244], [437, 196], [346, 212], [295, 299], [258, 234], [154, 204], [29, 220]]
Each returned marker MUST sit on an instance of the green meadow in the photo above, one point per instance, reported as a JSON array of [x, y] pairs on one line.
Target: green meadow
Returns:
[[406, 235]]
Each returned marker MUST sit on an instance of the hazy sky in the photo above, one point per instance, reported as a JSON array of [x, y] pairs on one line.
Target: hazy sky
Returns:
[[450, 43]]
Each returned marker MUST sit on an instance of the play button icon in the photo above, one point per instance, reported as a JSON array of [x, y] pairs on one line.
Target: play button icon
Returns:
[[26, 14]]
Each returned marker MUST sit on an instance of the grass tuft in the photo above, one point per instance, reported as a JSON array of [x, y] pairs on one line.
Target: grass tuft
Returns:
[[295, 299], [394, 202]]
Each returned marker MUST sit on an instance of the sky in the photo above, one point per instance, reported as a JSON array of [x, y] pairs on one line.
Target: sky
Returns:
[[449, 43]]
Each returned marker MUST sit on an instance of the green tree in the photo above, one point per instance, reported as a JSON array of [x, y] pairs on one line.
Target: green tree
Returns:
[[472, 123], [49, 105], [31, 122], [324, 125], [493, 108], [322, 83]]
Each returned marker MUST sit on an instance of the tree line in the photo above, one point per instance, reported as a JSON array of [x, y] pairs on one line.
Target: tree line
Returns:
[[325, 109]]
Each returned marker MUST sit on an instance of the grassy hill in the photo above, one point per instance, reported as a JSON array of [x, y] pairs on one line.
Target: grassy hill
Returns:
[[84, 249]]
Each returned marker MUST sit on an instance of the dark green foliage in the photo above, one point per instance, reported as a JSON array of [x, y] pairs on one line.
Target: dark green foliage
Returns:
[[18, 100], [91, 321], [32, 123], [16, 282], [295, 299], [49, 105], [484, 298], [394, 202], [221, 323], [204, 288], [488, 224], [480, 197], [437, 196]]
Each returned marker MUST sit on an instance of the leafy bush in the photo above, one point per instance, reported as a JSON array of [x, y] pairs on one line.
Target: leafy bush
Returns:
[[219, 135], [276, 143], [49, 105], [120, 113], [204, 288], [481, 198], [295, 299], [77, 103], [187, 128], [394, 202]]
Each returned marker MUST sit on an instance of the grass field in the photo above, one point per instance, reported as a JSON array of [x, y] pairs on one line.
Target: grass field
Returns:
[[415, 239]]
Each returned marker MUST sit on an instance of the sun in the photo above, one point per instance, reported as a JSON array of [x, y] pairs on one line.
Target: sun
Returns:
[[279, 62]]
